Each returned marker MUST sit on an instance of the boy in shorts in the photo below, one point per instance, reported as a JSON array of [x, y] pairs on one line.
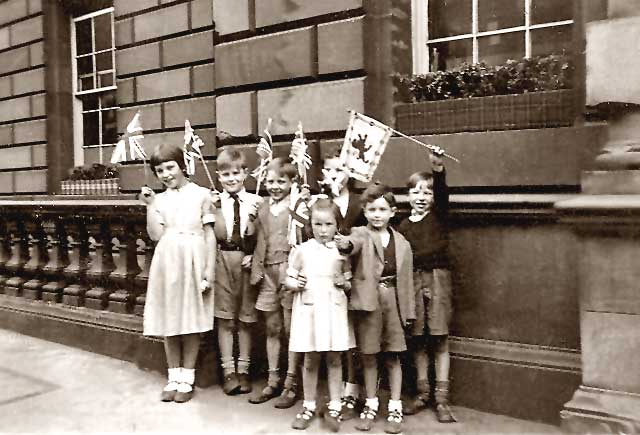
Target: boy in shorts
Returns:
[[383, 300]]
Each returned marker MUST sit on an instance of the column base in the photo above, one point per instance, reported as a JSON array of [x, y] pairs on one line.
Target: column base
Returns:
[[595, 410]]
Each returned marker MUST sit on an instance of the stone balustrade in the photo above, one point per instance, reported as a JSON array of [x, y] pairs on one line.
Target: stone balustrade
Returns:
[[80, 253]]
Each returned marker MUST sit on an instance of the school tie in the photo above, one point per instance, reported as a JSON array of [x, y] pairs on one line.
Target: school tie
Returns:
[[235, 233]]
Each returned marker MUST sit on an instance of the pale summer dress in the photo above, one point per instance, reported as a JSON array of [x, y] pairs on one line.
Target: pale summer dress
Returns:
[[319, 321], [174, 303]]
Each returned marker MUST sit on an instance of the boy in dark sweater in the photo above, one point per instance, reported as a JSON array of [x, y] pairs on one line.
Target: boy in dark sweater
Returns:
[[426, 230]]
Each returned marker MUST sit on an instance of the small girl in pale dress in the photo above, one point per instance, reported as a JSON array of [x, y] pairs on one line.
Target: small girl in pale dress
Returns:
[[320, 275], [179, 300]]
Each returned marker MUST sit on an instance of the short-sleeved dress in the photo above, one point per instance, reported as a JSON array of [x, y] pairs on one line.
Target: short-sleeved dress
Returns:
[[174, 303], [319, 321]]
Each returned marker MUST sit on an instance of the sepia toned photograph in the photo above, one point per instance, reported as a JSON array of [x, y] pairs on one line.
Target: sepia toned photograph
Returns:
[[320, 216]]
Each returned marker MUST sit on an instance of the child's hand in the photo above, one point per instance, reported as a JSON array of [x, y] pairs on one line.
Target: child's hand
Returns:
[[435, 157], [253, 211], [147, 195], [215, 198], [246, 261], [342, 242], [426, 293], [205, 286], [305, 192], [302, 281]]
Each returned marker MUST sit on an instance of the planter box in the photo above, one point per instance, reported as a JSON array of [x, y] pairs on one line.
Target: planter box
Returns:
[[500, 112], [109, 186]]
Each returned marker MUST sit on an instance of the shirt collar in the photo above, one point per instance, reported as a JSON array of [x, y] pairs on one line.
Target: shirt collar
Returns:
[[241, 194], [417, 217]]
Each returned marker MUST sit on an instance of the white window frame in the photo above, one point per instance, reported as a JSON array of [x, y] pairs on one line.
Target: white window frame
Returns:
[[421, 41], [78, 112]]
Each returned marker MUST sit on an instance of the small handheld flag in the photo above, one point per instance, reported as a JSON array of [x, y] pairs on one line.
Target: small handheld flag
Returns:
[[190, 156], [298, 154], [265, 152]]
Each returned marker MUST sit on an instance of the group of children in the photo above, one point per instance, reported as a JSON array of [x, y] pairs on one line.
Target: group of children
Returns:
[[356, 290]]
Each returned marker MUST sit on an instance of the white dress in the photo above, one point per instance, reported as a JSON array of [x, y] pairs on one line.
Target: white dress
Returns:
[[319, 321], [174, 303]]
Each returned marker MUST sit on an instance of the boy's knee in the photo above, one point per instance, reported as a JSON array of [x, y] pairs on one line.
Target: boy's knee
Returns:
[[274, 326], [369, 360], [334, 360]]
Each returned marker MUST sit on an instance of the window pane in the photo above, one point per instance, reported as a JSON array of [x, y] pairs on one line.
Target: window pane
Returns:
[[450, 54], [497, 49], [546, 11], [90, 128], [104, 61], [108, 99], [83, 37], [109, 127], [85, 65], [449, 18], [85, 84], [102, 25], [500, 14], [89, 102], [551, 40]]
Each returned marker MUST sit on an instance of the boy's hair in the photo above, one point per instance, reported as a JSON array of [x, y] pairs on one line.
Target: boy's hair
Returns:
[[333, 153], [165, 153], [325, 204], [417, 177], [283, 167], [231, 158], [375, 191]]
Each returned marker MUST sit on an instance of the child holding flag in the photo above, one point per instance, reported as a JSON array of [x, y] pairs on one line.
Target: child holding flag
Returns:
[[268, 271], [235, 297], [427, 232]]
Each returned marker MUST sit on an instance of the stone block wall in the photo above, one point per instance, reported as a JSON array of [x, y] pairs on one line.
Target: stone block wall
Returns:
[[292, 61], [23, 165], [165, 70]]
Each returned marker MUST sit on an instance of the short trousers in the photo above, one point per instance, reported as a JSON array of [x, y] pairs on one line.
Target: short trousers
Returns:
[[380, 330], [433, 316], [235, 298], [272, 295]]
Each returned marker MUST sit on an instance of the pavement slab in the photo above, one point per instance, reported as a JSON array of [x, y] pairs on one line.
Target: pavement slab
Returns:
[[51, 388]]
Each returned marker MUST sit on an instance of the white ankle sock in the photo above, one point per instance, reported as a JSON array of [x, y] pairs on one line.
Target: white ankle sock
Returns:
[[173, 379], [373, 403], [395, 405], [352, 390], [309, 404], [187, 378], [335, 405]]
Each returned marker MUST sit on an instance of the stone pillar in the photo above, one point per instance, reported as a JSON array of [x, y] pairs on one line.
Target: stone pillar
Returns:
[[606, 218]]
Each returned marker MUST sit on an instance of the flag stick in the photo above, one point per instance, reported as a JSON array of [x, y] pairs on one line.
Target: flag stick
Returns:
[[206, 170], [425, 145]]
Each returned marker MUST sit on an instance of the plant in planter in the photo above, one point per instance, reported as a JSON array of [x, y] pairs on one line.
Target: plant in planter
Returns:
[[94, 179], [530, 93]]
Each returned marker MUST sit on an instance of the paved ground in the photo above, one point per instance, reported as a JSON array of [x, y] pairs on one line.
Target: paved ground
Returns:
[[48, 387]]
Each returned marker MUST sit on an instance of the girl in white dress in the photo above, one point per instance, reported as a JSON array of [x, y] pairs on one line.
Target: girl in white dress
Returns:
[[179, 300], [319, 325]]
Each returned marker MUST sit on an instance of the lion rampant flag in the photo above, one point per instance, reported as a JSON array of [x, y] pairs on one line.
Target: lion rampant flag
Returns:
[[363, 146]]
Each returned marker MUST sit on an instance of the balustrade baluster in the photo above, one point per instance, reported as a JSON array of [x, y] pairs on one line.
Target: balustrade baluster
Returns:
[[19, 256], [122, 299], [38, 258], [58, 259], [101, 265], [78, 249], [145, 254]]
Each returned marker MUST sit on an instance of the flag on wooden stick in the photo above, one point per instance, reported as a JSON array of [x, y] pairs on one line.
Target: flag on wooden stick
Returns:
[[363, 146], [191, 139], [265, 152], [299, 155], [133, 138]]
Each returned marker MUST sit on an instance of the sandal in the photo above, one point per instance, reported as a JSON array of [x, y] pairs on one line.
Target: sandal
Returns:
[[444, 414], [303, 419], [332, 418], [184, 393], [393, 424], [367, 419]]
